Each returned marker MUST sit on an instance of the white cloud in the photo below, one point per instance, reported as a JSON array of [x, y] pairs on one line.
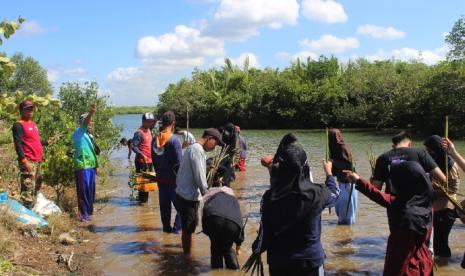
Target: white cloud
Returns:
[[282, 56], [304, 55], [202, 1], [327, 11], [184, 47], [75, 72], [239, 61], [134, 85], [58, 72], [33, 28], [52, 75], [241, 19], [428, 57], [329, 44], [379, 32]]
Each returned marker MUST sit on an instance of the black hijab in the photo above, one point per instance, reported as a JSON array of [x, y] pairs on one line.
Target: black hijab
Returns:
[[413, 206], [434, 143], [292, 196]]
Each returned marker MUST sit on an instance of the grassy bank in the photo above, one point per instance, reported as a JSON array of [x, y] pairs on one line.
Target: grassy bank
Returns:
[[26, 250], [133, 109]]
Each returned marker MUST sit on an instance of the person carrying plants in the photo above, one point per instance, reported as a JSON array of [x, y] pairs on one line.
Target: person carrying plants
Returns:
[[341, 156], [290, 227], [410, 217], [191, 183], [444, 213], [85, 163], [28, 146], [450, 148], [141, 145]]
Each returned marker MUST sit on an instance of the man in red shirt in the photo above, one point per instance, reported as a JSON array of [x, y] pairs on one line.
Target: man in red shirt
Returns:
[[142, 146], [28, 145]]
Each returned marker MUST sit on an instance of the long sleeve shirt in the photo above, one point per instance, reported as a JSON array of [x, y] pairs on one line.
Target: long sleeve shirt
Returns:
[[373, 193], [191, 180], [166, 162], [302, 242], [27, 149], [84, 154], [335, 190]]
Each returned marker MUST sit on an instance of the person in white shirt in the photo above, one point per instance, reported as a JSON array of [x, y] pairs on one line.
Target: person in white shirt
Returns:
[[186, 137], [191, 183]]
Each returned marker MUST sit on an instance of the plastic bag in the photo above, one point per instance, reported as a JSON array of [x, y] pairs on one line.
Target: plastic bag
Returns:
[[22, 214], [45, 207]]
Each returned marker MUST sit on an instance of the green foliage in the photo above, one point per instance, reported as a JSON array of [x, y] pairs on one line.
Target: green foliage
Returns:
[[57, 119], [76, 99], [456, 40], [133, 109], [317, 93], [7, 29], [9, 104], [28, 77], [57, 167]]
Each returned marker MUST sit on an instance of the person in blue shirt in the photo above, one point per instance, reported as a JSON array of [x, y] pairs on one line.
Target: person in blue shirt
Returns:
[[290, 229], [85, 165], [166, 156]]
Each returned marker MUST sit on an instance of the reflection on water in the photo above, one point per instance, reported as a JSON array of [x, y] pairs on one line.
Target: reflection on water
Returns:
[[130, 240]]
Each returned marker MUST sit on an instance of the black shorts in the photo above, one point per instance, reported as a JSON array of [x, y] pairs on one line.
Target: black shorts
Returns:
[[188, 211]]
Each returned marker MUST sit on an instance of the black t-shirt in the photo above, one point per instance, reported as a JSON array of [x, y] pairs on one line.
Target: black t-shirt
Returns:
[[338, 166], [395, 156]]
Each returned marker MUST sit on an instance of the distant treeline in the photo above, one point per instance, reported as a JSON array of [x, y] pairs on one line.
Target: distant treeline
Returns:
[[133, 109], [316, 93]]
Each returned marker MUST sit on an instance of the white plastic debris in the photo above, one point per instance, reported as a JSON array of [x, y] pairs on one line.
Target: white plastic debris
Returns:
[[45, 207]]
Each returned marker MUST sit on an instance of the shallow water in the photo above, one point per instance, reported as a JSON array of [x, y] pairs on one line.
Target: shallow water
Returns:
[[130, 240]]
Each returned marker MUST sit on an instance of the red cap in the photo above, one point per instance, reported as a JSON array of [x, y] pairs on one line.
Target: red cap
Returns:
[[25, 104]]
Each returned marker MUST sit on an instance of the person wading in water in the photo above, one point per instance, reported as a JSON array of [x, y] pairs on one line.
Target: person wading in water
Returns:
[[449, 146], [341, 156], [166, 156], [290, 229], [222, 223], [444, 213], [141, 145], [410, 218], [191, 184]]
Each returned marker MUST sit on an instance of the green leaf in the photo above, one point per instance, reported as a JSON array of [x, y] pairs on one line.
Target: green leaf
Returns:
[[4, 59]]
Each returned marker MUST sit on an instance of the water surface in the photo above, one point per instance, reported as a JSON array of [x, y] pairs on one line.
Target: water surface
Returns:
[[130, 240]]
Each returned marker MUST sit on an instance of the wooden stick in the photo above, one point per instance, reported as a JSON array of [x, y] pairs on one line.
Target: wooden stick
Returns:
[[446, 135], [449, 197], [327, 144], [187, 121], [351, 185]]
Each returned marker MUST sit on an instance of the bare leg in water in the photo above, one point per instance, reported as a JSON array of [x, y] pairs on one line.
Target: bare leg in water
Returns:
[[187, 242]]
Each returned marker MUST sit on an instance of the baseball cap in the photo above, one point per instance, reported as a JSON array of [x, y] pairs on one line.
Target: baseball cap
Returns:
[[213, 132], [148, 116], [168, 118], [25, 104], [83, 117]]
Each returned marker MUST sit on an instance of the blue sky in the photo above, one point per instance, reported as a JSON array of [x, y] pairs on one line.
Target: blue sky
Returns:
[[134, 49]]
